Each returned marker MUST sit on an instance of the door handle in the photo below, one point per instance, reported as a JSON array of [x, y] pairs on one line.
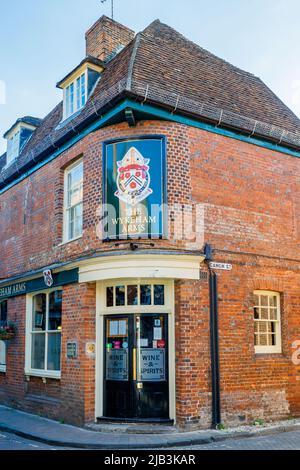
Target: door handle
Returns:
[[134, 363]]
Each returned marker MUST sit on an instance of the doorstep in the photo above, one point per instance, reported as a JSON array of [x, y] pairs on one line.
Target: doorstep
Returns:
[[131, 428]]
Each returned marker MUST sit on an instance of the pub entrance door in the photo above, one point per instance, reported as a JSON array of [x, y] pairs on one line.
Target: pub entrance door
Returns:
[[136, 382]]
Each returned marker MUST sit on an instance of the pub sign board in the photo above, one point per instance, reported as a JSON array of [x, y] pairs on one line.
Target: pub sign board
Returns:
[[21, 288], [134, 188]]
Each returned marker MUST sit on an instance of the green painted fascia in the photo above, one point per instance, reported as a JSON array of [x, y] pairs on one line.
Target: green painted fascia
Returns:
[[156, 112]]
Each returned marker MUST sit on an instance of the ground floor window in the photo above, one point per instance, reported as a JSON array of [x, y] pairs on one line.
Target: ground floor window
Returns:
[[267, 329], [3, 322], [44, 335], [2, 356], [3, 313]]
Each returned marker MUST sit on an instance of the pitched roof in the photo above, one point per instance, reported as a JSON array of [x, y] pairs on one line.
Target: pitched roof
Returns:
[[162, 66]]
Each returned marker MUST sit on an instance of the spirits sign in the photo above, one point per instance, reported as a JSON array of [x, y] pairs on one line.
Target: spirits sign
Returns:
[[151, 365], [116, 364], [134, 189]]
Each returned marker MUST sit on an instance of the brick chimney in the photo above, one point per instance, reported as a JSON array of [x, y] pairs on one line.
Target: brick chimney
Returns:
[[106, 38]]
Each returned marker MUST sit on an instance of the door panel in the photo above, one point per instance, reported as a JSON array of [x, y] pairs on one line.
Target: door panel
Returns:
[[136, 366]]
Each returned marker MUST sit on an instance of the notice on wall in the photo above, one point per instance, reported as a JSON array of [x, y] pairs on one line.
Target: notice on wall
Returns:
[[117, 364], [151, 365]]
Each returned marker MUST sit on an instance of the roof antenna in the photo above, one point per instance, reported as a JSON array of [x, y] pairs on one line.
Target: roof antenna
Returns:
[[112, 7]]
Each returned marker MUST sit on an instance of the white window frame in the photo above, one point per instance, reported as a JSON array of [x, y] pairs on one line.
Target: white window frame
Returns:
[[28, 343], [77, 103], [13, 147], [67, 209], [277, 348], [3, 366]]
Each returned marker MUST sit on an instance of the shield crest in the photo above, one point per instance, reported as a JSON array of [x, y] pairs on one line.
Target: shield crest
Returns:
[[48, 277], [133, 178]]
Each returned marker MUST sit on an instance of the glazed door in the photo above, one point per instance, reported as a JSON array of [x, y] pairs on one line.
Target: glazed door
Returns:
[[136, 367]]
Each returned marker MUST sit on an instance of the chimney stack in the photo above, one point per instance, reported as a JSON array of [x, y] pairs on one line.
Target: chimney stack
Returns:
[[106, 38]]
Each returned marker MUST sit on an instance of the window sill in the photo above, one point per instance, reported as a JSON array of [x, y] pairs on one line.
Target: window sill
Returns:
[[267, 352], [3, 369], [69, 241], [43, 374]]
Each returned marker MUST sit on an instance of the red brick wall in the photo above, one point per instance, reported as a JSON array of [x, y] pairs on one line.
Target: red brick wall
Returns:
[[251, 205], [72, 398]]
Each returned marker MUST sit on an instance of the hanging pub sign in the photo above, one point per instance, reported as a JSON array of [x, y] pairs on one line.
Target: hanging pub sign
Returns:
[[134, 189]]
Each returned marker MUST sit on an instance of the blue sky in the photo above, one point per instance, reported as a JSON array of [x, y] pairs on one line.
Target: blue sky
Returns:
[[42, 40]]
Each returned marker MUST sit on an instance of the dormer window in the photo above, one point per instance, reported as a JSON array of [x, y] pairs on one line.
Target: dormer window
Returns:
[[13, 145], [18, 135], [75, 95], [79, 84]]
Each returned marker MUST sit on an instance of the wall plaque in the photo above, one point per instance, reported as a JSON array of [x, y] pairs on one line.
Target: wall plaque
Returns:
[[72, 350]]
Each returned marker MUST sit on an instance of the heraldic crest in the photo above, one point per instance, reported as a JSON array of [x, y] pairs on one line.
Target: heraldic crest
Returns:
[[133, 178]]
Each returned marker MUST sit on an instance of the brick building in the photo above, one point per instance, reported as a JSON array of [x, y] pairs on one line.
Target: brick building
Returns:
[[161, 161]]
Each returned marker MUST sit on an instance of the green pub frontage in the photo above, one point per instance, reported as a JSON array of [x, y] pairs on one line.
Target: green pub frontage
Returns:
[[142, 277]]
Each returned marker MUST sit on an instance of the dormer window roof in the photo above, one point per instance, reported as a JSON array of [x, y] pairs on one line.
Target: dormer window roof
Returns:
[[18, 135], [79, 84]]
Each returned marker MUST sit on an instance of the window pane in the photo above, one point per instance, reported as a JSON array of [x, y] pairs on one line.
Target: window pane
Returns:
[[38, 351], [75, 185], [2, 353], [132, 295], [273, 301], [55, 309], [256, 313], [273, 314], [3, 313], [78, 92], [83, 98], [264, 300], [109, 297], [145, 295], [264, 313], [120, 295], [39, 313], [54, 347], [75, 221], [159, 295], [255, 300]]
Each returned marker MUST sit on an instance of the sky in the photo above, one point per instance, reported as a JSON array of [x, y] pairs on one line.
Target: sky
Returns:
[[42, 40]]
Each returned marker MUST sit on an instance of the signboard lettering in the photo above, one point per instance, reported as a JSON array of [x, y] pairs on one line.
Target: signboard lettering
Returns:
[[22, 288], [116, 364], [224, 266], [151, 365], [134, 195]]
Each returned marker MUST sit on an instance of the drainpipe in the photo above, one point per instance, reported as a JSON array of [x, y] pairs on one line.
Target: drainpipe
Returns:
[[214, 339]]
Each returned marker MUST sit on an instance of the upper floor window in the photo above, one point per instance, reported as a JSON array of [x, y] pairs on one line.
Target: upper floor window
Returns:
[[18, 135], [79, 84], [75, 96], [267, 322], [73, 205], [13, 145]]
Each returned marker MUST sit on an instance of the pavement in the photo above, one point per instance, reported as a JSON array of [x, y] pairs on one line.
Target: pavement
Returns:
[[53, 433]]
